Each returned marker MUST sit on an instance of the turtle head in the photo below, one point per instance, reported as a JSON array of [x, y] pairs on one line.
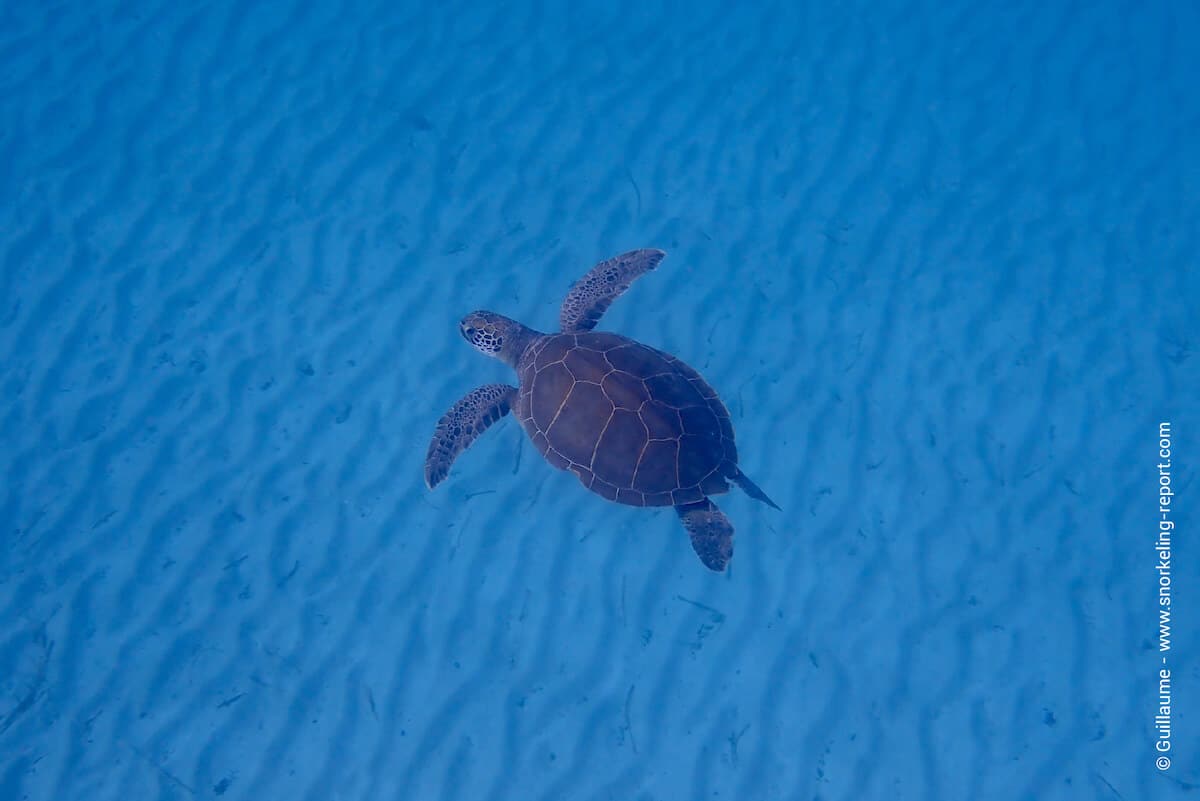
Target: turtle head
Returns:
[[495, 335]]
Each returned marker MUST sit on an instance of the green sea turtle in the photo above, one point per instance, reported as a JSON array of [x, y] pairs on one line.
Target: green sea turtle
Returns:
[[636, 425]]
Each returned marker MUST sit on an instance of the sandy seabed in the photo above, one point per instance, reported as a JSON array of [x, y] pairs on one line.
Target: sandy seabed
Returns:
[[940, 264]]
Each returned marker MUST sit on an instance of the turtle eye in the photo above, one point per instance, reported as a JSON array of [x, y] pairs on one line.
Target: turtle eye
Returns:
[[468, 332]]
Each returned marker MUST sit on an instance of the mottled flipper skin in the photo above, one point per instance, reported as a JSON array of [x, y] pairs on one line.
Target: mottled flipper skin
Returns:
[[711, 533], [459, 427], [591, 295]]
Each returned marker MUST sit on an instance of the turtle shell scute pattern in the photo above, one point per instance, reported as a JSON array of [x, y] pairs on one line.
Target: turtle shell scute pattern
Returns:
[[637, 426]]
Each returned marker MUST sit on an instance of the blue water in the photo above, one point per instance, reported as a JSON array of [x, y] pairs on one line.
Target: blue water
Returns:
[[939, 261]]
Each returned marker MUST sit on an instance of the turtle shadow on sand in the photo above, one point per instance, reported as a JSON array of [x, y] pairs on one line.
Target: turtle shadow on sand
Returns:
[[636, 425]]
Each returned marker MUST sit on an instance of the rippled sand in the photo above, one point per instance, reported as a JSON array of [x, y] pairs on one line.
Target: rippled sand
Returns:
[[939, 263]]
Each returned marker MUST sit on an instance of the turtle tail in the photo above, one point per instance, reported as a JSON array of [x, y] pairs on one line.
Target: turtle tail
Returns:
[[751, 489]]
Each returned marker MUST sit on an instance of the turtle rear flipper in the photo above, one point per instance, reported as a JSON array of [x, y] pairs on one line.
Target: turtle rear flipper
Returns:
[[459, 427], [591, 295], [711, 532]]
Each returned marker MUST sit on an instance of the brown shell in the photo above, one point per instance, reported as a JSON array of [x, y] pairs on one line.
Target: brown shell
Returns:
[[636, 425]]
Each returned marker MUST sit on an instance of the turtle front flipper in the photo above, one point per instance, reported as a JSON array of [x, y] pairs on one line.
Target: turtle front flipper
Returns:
[[591, 295], [711, 532], [459, 427]]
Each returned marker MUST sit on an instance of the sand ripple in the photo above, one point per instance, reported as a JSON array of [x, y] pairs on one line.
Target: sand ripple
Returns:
[[936, 262]]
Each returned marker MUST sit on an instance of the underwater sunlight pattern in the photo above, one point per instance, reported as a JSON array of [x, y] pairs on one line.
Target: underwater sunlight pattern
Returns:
[[939, 262]]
